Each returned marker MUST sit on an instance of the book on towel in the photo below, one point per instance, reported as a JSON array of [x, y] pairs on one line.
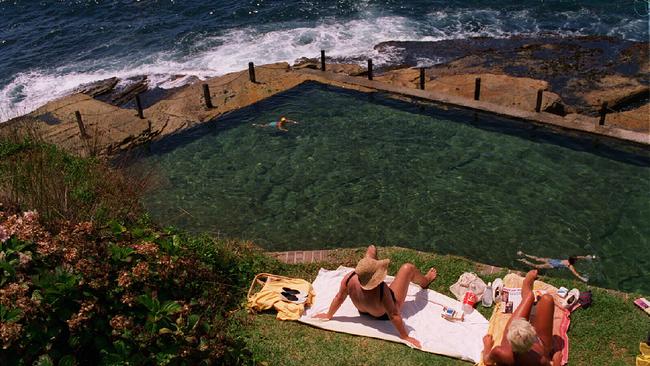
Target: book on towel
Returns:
[[511, 298]]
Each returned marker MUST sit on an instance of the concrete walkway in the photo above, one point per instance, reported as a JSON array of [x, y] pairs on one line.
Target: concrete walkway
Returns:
[[576, 122], [327, 256], [110, 129]]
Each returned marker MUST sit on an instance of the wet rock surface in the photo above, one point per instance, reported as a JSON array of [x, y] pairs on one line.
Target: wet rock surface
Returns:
[[112, 125], [573, 66], [121, 92]]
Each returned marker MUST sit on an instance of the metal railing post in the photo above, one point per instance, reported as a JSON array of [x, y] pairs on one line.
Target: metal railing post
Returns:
[[206, 96], [538, 103], [251, 72], [322, 60], [138, 105]]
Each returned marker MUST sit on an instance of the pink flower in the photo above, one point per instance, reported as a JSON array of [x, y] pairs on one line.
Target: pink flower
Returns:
[[141, 270], [9, 332], [4, 234], [124, 279], [146, 248], [30, 216], [121, 322], [24, 258]]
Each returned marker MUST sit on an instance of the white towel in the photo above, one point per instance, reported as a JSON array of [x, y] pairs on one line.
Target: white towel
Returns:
[[422, 318]]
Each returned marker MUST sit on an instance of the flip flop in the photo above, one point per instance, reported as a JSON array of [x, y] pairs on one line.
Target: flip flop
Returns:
[[571, 299], [497, 287], [295, 299], [290, 290]]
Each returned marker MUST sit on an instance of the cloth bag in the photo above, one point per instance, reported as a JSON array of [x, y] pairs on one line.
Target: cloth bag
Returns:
[[270, 295], [467, 281]]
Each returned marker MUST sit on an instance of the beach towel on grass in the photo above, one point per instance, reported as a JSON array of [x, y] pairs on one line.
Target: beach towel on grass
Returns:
[[269, 296], [422, 318], [560, 320]]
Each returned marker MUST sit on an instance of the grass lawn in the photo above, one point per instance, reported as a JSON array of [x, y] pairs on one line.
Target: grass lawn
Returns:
[[608, 333]]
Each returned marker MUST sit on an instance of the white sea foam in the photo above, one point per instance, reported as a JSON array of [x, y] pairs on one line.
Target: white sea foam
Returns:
[[233, 50], [229, 52]]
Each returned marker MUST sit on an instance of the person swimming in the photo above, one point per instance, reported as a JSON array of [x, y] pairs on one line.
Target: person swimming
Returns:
[[554, 263], [280, 125]]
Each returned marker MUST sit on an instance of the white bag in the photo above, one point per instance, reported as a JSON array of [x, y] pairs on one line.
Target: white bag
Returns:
[[467, 281]]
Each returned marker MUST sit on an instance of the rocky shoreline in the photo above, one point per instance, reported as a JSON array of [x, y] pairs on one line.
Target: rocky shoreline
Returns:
[[577, 74]]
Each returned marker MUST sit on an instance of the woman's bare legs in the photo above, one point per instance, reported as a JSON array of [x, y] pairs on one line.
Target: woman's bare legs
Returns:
[[535, 265], [406, 274], [543, 322], [527, 300], [371, 252], [539, 259], [409, 273]]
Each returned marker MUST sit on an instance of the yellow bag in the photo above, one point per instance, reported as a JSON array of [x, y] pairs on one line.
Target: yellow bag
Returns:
[[644, 358], [269, 296]]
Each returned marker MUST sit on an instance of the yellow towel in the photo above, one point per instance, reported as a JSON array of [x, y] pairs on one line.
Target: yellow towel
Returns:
[[499, 319], [644, 358], [269, 296]]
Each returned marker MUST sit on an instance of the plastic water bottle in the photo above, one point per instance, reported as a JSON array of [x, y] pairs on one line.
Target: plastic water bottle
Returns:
[[487, 296]]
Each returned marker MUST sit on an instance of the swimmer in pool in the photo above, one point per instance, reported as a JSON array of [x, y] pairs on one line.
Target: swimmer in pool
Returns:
[[280, 125], [552, 263]]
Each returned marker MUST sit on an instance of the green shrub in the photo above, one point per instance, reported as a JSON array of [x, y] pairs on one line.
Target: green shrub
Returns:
[[63, 187], [134, 296]]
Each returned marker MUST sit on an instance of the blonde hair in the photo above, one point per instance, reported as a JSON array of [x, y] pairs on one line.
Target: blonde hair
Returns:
[[521, 335]]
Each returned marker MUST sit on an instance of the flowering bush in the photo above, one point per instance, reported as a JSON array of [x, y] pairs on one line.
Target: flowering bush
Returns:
[[138, 296]]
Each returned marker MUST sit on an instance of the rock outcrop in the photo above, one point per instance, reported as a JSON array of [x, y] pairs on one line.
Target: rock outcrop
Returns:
[[583, 71], [509, 85]]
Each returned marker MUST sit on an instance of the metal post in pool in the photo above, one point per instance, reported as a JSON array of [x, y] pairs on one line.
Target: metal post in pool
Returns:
[[369, 69], [538, 103], [206, 96], [603, 113], [138, 105], [322, 60], [422, 78], [251, 72], [477, 89]]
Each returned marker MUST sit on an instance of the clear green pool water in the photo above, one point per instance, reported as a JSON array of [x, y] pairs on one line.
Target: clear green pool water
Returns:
[[363, 169]]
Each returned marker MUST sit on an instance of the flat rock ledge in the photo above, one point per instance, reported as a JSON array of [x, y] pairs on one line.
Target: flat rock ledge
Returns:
[[110, 129]]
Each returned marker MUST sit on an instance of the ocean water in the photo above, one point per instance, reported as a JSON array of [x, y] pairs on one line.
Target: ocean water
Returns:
[[361, 169], [47, 47]]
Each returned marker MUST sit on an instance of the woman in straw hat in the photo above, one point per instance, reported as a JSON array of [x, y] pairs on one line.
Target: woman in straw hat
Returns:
[[373, 297]]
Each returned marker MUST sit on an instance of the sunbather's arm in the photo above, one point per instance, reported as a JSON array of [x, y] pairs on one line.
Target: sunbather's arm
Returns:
[[575, 273], [495, 355], [337, 301], [488, 343], [395, 316], [557, 358], [398, 322]]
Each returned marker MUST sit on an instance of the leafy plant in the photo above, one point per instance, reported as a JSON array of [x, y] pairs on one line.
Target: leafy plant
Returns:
[[119, 295], [8, 315], [157, 312]]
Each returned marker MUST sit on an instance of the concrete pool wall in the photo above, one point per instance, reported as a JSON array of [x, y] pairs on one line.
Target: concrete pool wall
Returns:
[[111, 129]]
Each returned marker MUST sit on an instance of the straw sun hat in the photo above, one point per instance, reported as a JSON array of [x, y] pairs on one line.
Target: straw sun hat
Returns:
[[371, 272]]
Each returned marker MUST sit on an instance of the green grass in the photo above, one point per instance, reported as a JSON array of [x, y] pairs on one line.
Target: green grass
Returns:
[[608, 333]]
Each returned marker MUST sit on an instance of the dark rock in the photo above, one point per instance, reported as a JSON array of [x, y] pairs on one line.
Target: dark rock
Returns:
[[97, 88], [49, 119], [138, 85], [573, 66], [556, 108]]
